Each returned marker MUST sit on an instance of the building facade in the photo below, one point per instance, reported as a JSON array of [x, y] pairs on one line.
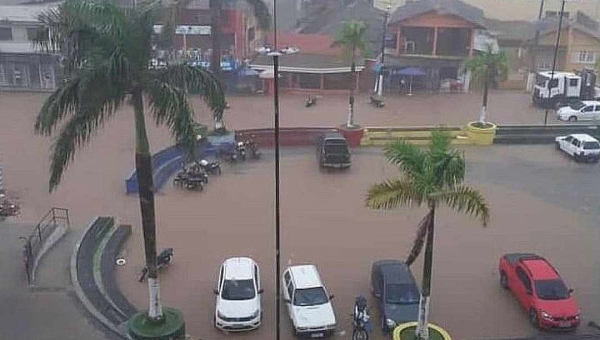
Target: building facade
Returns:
[[432, 38], [22, 66]]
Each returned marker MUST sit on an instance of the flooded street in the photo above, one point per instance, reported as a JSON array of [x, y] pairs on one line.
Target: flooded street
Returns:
[[540, 201]]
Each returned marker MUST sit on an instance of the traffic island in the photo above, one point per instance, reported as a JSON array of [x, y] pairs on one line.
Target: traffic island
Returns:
[[172, 327], [481, 133], [352, 134], [407, 331]]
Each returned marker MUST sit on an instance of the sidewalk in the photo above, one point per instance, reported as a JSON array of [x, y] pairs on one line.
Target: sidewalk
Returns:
[[49, 311]]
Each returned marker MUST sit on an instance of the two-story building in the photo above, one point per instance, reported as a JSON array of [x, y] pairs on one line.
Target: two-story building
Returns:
[[22, 66], [432, 39], [579, 45]]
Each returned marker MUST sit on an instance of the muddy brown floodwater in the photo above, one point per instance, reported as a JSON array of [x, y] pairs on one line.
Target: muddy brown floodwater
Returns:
[[324, 222]]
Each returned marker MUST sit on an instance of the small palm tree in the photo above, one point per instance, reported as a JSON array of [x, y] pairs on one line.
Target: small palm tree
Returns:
[[352, 39], [430, 177], [488, 68], [107, 52]]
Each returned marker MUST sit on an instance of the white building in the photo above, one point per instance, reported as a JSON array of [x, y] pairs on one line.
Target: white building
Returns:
[[22, 65]]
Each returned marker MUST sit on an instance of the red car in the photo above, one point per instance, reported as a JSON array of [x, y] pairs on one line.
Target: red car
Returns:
[[540, 291]]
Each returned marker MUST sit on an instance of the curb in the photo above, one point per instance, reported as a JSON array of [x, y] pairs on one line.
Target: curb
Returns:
[[79, 291]]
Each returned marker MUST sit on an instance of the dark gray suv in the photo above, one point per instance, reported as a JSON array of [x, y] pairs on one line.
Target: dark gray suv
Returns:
[[393, 284], [332, 151]]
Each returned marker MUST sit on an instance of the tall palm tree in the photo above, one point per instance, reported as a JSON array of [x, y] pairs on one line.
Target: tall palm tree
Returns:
[[351, 38], [487, 68], [431, 177], [263, 18], [107, 53]]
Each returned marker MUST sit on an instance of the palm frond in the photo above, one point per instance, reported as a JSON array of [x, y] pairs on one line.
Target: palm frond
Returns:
[[408, 157], [169, 106], [419, 238], [261, 13], [62, 102], [196, 81], [392, 194], [89, 118], [464, 199]]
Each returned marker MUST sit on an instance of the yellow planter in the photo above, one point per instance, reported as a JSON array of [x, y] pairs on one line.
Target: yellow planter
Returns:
[[402, 327], [481, 136]]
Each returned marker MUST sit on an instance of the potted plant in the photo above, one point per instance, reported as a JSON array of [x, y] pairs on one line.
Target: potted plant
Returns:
[[487, 68], [407, 331]]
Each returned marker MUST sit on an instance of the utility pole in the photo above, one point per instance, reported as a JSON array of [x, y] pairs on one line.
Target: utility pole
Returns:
[[536, 41], [380, 80], [550, 87]]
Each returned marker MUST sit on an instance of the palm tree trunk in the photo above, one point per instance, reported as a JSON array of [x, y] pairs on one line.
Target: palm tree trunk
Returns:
[[423, 320], [350, 122], [486, 86], [143, 167], [215, 34]]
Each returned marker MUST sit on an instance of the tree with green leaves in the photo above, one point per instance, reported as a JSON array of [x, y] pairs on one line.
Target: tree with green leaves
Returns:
[[351, 38], [263, 18], [487, 68], [431, 177], [107, 52]]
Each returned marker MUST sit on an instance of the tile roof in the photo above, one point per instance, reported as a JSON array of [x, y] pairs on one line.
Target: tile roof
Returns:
[[549, 25], [511, 30], [452, 7]]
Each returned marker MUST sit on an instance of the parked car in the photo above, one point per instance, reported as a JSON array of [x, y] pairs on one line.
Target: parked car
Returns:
[[581, 147], [394, 286], [308, 302], [579, 110], [332, 151], [540, 290], [238, 305]]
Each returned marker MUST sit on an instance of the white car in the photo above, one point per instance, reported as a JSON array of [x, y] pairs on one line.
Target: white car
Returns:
[[307, 301], [579, 110], [238, 306], [581, 147]]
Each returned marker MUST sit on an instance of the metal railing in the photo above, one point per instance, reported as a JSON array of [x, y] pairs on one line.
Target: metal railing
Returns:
[[43, 229]]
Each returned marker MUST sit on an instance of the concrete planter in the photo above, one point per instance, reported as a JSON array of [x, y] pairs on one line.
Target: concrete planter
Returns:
[[406, 331], [352, 135], [481, 135]]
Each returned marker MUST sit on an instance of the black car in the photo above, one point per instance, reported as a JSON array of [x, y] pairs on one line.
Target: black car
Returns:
[[332, 151], [393, 284]]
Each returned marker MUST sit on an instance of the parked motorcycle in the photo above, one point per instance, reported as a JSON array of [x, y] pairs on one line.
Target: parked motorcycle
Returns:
[[311, 101], [210, 167], [254, 151], [360, 319], [241, 150], [230, 155], [162, 260], [8, 207]]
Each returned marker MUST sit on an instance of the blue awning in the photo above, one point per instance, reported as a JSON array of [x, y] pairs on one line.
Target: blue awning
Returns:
[[412, 71]]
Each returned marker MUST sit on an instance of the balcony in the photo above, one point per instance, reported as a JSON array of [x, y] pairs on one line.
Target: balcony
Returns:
[[432, 41]]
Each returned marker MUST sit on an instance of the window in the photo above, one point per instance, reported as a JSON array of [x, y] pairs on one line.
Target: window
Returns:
[[591, 146], [6, 33], [238, 290], [585, 57], [251, 34], [568, 139], [588, 108], [290, 288], [573, 82], [523, 278], [401, 294], [553, 83], [32, 32], [287, 278], [551, 290], [310, 297], [575, 142], [256, 277]]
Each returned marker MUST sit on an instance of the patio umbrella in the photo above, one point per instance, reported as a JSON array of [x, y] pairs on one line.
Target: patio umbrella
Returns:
[[412, 72]]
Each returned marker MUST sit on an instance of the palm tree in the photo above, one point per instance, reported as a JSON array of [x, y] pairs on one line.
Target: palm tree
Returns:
[[261, 13], [352, 39], [488, 68], [106, 57], [432, 177]]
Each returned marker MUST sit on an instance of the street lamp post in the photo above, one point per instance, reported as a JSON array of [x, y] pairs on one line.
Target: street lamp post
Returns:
[[380, 80], [550, 84]]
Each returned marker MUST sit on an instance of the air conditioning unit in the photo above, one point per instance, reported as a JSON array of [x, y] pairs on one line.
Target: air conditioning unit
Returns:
[[409, 46]]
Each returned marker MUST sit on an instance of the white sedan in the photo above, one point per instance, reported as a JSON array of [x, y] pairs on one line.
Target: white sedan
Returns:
[[581, 147], [238, 305]]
